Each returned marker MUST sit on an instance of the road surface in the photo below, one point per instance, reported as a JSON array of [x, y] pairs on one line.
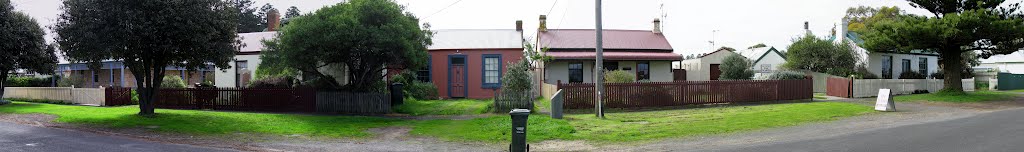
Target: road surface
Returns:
[[989, 132], [18, 137]]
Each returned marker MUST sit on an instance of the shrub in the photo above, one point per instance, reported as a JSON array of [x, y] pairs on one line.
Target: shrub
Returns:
[[70, 81], [862, 72], [967, 73], [413, 88], [787, 75], [736, 67], [517, 81], [911, 75], [619, 76], [272, 82], [173, 82], [27, 82]]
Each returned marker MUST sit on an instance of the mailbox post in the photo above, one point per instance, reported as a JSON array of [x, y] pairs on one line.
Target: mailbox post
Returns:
[[519, 117]]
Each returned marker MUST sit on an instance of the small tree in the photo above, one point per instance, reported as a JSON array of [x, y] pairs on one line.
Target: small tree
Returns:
[[173, 82], [736, 67], [22, 45], [619, 76], [149, 36], [820, 55]]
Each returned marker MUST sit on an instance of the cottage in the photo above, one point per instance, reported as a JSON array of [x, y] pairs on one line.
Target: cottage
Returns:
[[644, 52], [705, 67], [469, 63], [763, 60], [114, 74], [1009, 63], [889, 65], [246, 60]]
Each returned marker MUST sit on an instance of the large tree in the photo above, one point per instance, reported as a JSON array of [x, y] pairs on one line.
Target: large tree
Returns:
[[359, 37], [248, 20], [955, 27], [22, 45], [820, 55], [292, 12], [148, 36]]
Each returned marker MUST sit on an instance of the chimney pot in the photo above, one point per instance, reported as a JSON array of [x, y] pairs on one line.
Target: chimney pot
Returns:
[[543, 23], [273, 19], [519, 25], [807, 25], [657, 25]]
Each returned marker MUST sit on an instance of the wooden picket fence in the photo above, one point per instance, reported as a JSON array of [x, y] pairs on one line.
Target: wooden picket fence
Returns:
[[333, 102], [506, 101], [659, 94], [238, 99]]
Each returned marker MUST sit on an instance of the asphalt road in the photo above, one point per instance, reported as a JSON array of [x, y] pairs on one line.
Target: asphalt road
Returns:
[[989, 132], [18, 137]]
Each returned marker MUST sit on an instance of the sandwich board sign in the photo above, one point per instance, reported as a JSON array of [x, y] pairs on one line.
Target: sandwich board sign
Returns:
[[884, 101]]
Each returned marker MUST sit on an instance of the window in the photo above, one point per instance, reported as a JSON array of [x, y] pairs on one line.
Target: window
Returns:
[[923, 66], [766, 68], [492, 71], [887, 67], [906, 65], [240, 66], [643, 71], [95, 77], [423, 75], [576, 72], [611, 66]]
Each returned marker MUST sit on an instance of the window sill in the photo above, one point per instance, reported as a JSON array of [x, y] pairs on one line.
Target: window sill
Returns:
[[491, 86]]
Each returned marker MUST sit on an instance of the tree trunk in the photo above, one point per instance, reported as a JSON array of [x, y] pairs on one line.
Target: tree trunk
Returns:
[[3, 78], [952, 65]]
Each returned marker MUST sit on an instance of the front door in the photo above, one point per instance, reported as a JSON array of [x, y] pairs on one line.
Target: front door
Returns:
[[457, 76], [715, 72]]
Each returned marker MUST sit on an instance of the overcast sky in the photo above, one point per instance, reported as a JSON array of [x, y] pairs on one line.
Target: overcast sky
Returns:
[[688, 25]]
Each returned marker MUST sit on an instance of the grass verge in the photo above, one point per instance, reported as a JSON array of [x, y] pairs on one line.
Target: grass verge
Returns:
[[444, 107], [969, 97]]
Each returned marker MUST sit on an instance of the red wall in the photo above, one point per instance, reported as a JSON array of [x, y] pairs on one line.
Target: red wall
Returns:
[[474, 65]]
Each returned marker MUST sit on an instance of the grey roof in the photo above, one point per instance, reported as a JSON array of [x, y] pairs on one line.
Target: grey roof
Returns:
[[476, 39], [252, 42]]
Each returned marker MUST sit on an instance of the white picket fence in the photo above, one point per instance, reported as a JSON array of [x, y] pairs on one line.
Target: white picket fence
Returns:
[[83, 96], [869, 87]]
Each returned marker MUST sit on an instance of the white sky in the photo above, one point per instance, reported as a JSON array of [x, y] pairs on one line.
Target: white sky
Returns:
[[688, 27]]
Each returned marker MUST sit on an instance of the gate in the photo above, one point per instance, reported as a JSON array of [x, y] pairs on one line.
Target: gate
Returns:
[[839, 87]]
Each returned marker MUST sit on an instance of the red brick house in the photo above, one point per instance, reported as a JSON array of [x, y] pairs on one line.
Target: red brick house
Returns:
[[470, 63]]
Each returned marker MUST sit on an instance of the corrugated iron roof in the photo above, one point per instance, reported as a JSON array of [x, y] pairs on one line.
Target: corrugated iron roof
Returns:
[[617, 55], [613, 39], [476, 39]]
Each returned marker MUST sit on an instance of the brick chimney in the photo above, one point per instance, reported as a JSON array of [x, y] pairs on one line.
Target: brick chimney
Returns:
[[273, 20], [519, 25], [657, 26], [543, 23]]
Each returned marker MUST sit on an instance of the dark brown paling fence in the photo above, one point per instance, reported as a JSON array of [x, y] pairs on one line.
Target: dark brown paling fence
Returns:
[[839, 87], [117, 96], [352, 103], [238, 99], [506, 101], [658, 94]]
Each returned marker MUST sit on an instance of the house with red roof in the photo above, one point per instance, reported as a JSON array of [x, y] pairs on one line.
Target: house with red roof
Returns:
[[469, 63], [646, 53]]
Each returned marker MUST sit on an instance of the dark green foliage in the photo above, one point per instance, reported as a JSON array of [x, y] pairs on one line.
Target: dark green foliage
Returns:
[[912, 75], [619, 76], [759, 45], [27, 82], [736, 67], [148, 36], [863, 73], [173, 82], [70, 81], [22, 45], [292, 12], [272, 82], [41, 101], [413, 88], [966, 73], [787, 75], [959, 26], [820, 55], [358, 37], [727, 48], [248, 20]]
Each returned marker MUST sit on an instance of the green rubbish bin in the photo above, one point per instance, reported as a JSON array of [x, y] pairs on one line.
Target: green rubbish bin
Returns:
[[519, 117]]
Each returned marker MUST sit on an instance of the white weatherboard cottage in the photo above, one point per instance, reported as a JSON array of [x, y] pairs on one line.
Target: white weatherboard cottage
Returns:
[[705, 67], [764, 60], [246, 60], [889, 65], [1009, 63]]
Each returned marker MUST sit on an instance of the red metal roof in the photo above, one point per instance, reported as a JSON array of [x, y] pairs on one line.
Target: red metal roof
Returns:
[[613, 39], [617, 55]]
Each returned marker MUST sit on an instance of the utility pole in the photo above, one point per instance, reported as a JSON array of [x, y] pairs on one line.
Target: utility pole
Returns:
[[599, 65]]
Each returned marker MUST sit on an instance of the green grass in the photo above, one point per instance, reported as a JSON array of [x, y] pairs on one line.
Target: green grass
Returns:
[[976, 96], [1021, 90], [207, 122], [543, 103], [820, 96], [445, 107], [644, 126]]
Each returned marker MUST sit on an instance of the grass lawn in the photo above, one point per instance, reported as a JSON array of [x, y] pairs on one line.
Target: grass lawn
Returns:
[[445, 107], [820, 96], [618, 127], [976, 96], [1021, 90], [644, 126], [207, 122]]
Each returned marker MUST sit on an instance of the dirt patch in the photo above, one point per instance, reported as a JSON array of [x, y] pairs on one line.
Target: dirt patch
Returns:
[[41, 120], [390, 133], [561, 145]]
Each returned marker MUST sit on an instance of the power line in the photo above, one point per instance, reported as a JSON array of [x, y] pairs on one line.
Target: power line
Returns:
[[442, 9], [560, 18], [552, 8]]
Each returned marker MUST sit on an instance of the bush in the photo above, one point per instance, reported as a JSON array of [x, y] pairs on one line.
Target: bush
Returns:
[[967, 73], [413, 88], [173, 82], [911, 75], [810, 52], [619, 76], [70, 81], [272, 82], [27, 82], [787, 75], [736, 67], [517, 81], [862, 72]]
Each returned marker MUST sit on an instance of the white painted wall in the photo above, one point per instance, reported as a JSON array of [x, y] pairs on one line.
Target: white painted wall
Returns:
[[1006, 67], [699, 69], [773, 61], [875, 63], [661, 71], [226, 77]]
